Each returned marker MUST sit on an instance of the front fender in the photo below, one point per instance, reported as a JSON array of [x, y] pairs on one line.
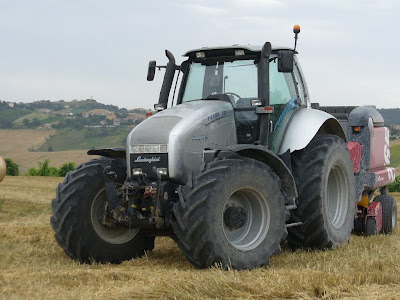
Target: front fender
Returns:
[[305, 124], [109, 152], [264, 155]]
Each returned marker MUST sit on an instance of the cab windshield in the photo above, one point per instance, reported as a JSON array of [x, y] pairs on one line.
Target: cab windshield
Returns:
[[220, 79]]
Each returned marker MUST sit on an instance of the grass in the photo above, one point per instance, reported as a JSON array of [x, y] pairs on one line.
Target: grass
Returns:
[[33, 266], [9, 114], [30, 117], [395, 155]]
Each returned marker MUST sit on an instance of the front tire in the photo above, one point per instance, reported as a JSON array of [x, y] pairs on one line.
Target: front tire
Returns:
[[326, 204], [78, 212], [231, 213]]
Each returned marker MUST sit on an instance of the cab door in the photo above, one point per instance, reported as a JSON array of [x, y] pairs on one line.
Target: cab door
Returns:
[[287, 95]]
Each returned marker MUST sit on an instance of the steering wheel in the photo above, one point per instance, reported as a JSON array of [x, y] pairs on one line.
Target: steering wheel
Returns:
[[233, 94]]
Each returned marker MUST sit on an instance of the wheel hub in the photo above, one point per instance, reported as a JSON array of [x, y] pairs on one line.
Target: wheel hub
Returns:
[[235, 217]]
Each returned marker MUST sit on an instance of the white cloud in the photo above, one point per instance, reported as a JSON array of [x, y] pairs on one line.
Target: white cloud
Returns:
[[54, 50], [203, 9], [259, 3]]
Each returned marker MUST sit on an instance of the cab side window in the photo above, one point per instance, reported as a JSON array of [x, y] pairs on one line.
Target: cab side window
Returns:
[[282, 90], [278, 86]]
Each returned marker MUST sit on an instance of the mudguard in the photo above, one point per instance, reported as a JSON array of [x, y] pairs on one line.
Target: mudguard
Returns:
[[109, 152], [264, 155], [304, 125]]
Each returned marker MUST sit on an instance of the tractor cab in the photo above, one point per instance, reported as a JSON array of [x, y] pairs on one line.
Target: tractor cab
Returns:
[[252, 83]]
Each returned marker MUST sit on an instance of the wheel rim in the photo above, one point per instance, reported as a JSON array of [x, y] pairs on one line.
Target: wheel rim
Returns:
[[337, 196], [117, 234], [254, 228]]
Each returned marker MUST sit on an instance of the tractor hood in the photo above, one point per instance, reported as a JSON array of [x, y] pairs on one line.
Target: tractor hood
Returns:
[[182, 133]]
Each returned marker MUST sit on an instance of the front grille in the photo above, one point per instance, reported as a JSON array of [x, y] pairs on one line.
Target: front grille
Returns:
[[147, 161]]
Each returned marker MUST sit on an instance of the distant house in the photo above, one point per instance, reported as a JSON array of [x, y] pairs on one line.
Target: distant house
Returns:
[[44, 110], [396, 126], [47, 126], [10, 104], [98, 112], [132, 118], [128, 120], [116, 122], [103, 122]]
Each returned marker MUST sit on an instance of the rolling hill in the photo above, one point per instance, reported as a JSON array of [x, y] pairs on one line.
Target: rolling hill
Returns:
[[15, 144]]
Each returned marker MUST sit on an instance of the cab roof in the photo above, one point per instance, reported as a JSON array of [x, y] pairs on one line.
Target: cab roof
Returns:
[[222, 49]]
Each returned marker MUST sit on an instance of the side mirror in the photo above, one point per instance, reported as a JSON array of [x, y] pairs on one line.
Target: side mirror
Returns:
[[285, 61], [151, 71]]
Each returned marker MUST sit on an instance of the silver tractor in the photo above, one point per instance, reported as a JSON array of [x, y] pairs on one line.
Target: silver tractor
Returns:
[[237, 159]]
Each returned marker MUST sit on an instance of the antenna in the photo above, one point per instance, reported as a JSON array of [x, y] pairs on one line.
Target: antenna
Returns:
[[296, 30]]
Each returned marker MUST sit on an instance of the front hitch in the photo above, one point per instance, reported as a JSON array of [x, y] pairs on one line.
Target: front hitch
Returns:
[[140, 204], [111, 190]]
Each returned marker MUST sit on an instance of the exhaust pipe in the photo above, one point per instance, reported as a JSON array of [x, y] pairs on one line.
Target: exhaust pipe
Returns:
[[168, 78], [3, 169]]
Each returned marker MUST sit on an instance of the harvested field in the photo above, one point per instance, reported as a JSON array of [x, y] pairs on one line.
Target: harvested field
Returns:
[[33, 266], [15, 144]]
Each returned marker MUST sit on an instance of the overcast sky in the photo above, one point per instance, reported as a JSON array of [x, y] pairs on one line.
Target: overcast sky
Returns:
[[73, 49]]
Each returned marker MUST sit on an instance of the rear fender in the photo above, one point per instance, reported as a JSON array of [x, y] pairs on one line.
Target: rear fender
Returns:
[[264, 155], [305, 124]]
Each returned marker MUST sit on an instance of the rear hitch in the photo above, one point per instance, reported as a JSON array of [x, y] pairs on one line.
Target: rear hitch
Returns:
[[368, 219]]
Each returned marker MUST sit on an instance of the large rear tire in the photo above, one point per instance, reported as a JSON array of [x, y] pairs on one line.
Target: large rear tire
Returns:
[[326, 203], [78, 212], [231, 213]]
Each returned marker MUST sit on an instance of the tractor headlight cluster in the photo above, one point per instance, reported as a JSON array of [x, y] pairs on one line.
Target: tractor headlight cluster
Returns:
[[136, 171], [152, 148], [162, 171]]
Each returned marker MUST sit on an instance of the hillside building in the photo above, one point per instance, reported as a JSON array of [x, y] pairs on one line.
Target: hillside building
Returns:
[[44, 110], [99, 112]]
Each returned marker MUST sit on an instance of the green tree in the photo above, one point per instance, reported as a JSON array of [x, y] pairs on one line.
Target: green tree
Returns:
[[6, 124], [33, 172], [12, 167], [44, 170], [35, 122], [65, 168], [26, 122], [395, 186]]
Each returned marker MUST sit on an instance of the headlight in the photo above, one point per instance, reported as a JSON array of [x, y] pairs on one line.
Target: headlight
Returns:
[[136, 171], [151, 148], [162, 171]]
